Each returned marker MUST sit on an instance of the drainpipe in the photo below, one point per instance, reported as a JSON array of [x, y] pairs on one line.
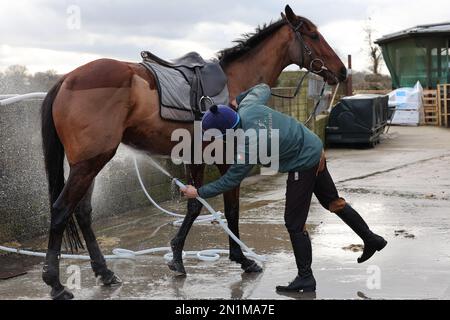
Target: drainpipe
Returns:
[[349, 83]]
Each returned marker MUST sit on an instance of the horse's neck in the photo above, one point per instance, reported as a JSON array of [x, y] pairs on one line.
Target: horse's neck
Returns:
[[263, 65]]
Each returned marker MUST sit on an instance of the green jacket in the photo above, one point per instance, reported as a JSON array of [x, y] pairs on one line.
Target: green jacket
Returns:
[[299, 148]]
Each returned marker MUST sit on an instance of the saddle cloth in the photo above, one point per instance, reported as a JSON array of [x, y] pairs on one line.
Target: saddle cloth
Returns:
[[187, 86]]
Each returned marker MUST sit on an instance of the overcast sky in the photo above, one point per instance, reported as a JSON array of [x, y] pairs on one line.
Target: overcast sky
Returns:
[[46, 34]]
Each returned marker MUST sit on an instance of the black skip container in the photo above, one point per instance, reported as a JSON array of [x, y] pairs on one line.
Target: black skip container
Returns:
[[358, 119]]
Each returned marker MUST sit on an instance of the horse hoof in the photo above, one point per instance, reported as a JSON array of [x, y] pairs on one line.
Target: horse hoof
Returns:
[[250, 266], [112, 281], [63, 294], [177, 267]]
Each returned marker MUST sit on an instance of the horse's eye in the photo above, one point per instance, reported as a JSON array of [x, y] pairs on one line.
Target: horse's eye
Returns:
[[314, 36]]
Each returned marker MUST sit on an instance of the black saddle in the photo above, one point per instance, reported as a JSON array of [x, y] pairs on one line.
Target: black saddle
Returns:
[[206, 79]]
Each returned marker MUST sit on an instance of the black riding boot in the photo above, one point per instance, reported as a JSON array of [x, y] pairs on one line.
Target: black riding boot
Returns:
[[372, 241], [303, 257]]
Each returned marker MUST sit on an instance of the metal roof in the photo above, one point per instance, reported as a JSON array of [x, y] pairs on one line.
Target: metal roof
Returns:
[[426, 29]]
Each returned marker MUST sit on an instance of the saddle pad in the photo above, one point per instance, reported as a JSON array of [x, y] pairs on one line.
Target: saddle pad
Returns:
[[174, 93]]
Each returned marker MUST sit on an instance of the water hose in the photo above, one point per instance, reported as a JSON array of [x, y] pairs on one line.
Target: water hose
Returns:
[[200, 219], [9, 99]]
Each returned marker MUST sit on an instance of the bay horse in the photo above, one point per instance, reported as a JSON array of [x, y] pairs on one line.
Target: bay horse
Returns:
[[94, 108]]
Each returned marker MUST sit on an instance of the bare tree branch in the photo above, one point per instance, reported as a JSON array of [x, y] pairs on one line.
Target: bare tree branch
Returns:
[[373, 50]]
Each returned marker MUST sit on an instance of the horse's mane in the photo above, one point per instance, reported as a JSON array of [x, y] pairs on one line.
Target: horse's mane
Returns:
[[248, 42]]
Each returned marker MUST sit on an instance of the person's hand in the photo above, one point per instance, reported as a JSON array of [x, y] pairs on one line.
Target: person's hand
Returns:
[[321, 163], [190, 192]]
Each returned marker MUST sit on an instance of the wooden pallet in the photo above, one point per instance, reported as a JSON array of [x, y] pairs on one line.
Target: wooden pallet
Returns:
[[443, 95], [430, 108]]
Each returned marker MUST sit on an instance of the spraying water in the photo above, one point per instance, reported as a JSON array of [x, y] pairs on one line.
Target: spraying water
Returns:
[[160, 168], [174, 192]]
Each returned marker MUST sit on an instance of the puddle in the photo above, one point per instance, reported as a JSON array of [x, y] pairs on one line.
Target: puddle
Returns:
[[404, 234], [354, 247], [108, 241]]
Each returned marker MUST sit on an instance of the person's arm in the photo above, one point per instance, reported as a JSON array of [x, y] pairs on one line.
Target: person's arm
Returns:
[[259, 94], [230, 180]]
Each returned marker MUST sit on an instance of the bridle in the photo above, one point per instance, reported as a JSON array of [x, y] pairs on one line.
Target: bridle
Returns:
[[305, 49]]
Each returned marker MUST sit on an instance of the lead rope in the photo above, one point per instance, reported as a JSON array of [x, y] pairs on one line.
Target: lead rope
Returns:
[[317, 104], [297, 89]]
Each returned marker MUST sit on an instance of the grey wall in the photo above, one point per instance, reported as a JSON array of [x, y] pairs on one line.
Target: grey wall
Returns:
[[24, 211]]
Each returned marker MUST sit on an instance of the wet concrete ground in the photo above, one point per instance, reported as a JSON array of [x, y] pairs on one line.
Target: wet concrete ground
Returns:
[[401, 188]]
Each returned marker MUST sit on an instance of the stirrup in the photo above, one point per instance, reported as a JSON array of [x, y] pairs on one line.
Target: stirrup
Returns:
[[202, 106]]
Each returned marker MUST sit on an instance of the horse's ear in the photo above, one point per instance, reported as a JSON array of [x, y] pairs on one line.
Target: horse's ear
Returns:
[[290, 15], [283, 16]]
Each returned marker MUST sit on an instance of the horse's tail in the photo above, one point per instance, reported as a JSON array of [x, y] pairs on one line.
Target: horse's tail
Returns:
[[54, 163]]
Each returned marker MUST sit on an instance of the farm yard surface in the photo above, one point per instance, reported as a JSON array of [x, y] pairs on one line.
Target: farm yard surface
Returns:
[[401, 188]]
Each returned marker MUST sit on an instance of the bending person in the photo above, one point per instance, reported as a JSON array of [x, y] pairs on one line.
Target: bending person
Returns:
[[301, 155]]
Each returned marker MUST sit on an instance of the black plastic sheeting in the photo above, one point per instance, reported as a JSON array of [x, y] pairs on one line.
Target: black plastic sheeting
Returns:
[[358, 119]]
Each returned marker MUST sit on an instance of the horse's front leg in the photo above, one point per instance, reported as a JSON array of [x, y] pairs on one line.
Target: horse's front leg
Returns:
[[195, 178], [231, 206]]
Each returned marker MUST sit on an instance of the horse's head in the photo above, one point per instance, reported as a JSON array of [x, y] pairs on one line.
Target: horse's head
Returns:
[[309, 49]]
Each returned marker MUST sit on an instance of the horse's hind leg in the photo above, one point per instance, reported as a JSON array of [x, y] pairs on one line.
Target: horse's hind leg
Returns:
[[80, 179], [98, 263], [231, 206]]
